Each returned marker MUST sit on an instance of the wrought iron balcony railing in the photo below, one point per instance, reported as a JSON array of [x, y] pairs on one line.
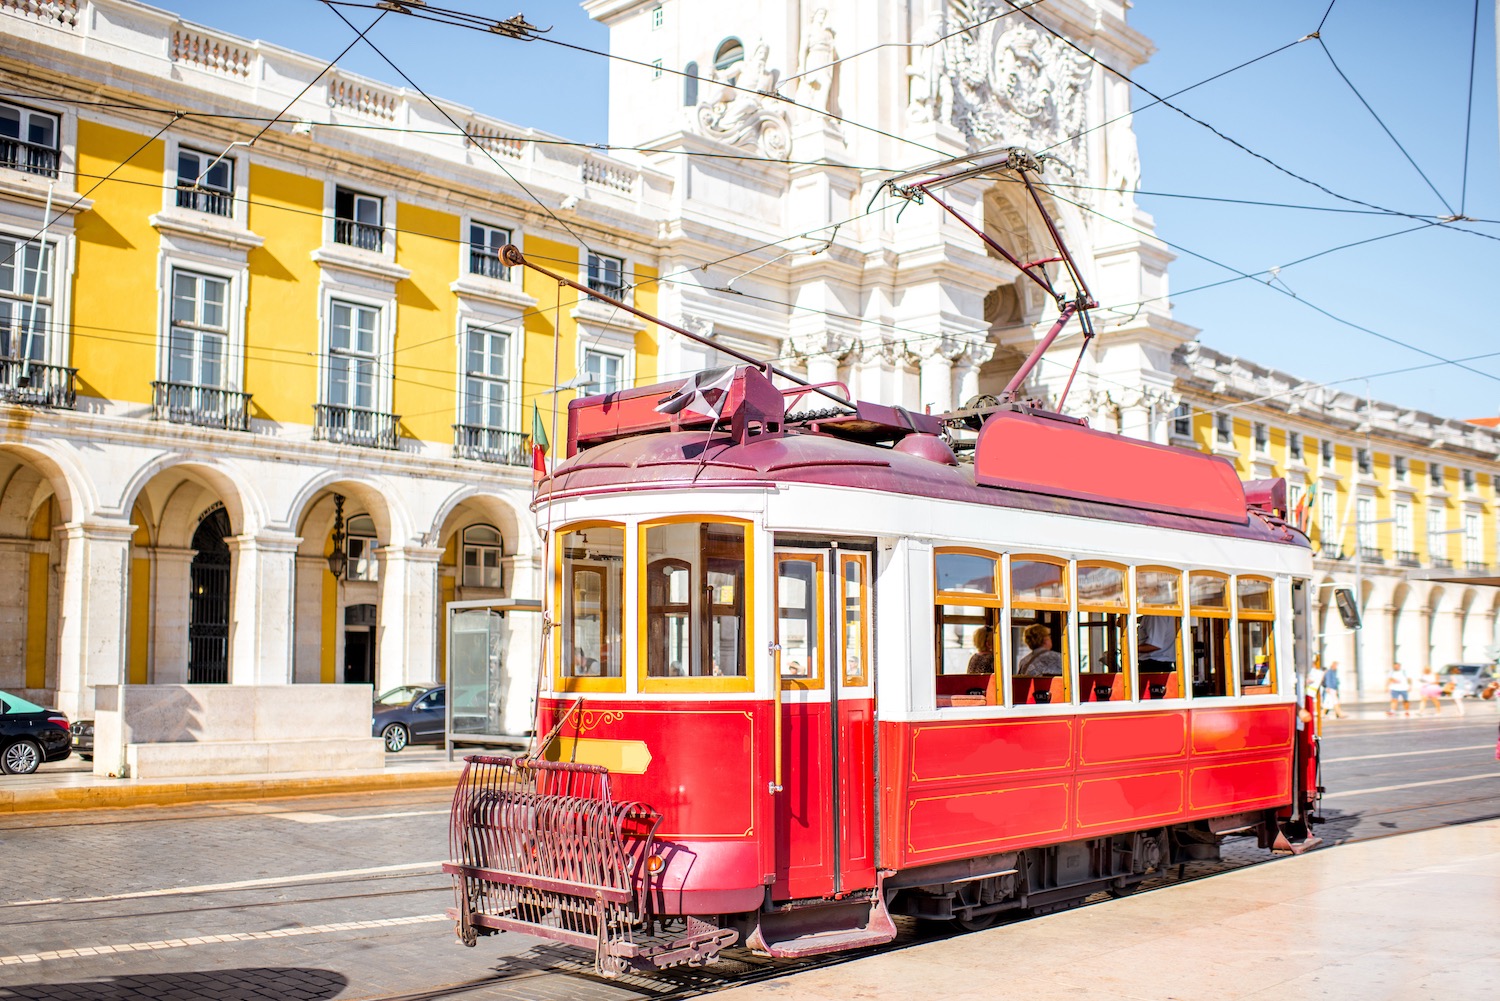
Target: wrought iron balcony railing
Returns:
[[1371, 554], [358, 234], [38, 385], [1441, 562], [614, 290], [1407, 558], [29, 157], [355, 426], [205, 406], [487, 264], [1476, 566], [507, 448], [205, 200]]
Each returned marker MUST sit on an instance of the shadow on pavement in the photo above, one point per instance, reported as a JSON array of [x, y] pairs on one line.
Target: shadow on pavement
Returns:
[[273, 983]]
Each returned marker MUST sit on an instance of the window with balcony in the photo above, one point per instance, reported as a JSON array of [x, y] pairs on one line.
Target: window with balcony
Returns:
[[485, 244], [1473, 542], [1294, 446], [1262, 438], [205, 182], [606, 275], [28, 140], [1325, 454], [605, 372], [1470, 481], [482, 552], [1366, 529], [1182, 420], [490, 420], [1327, 543], [351, 388], [1437, 537], [1404, 551], [358, 220], [196, 387], [1223, 429], [27, 326], [1435, 475]]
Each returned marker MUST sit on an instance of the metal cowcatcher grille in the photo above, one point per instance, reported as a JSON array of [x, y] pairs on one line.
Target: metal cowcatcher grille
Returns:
[[541, 847]]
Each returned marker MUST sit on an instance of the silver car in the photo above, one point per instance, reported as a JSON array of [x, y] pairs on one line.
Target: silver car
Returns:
[[1468, 680]]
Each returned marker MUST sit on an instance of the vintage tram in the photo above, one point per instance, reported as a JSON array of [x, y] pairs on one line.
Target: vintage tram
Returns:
[[807, 671]]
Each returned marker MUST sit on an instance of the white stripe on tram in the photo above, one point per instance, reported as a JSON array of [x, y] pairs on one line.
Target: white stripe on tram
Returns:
[[243, 884], [26, 958]]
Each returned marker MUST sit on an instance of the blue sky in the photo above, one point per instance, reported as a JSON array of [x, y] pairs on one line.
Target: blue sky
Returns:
[[1428, 288]]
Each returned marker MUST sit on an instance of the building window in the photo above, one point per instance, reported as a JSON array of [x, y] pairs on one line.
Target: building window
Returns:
[[197, 345], [25, 298], [485, 244], [1362, 457], [1262, 437], [1294, 445], [1473, 551], [487, 379], [351, 355], [1182, 420], [656, 69], [482, 556], [658, 16], [1435, 475], [361, 548], [1325, 454], [690, 85], [1223, 429], [357, 220], [730, 52], [1400, 469], [1437, 537], [606, 275], [1469, 480], [28, 140], [205, 182], [1403, 533], [1365, 527], [1326, 515], [605, 371]]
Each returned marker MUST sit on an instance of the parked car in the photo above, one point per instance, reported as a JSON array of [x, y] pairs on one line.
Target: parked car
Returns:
[[401, 695], [30, 735], [422, 722], [1468, 680], [83, 738]]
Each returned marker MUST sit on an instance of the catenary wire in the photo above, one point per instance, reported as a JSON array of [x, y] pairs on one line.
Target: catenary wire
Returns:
[[1463, 198]]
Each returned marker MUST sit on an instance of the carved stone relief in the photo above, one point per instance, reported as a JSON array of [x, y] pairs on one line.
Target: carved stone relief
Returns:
[[738, 110]]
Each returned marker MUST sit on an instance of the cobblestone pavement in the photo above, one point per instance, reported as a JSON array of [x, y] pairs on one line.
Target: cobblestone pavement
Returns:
[[341, 898]]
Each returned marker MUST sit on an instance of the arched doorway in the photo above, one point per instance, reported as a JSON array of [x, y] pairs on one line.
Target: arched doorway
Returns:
[[359, 644], [208, 608]]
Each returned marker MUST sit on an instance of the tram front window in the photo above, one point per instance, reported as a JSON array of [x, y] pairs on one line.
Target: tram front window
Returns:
[[695, 600], [593, 586]]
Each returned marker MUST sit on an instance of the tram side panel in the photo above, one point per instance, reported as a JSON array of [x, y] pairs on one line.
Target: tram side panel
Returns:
[[954, 790]]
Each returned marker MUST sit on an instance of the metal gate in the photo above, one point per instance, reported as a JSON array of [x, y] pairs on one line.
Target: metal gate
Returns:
[[208, 613]]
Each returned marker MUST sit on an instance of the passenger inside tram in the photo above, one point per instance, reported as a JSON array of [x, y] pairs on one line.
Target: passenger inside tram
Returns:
[[983, 661], [1041, 661]]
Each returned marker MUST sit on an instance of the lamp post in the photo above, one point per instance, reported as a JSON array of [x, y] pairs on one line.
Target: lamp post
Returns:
[[338, 560]]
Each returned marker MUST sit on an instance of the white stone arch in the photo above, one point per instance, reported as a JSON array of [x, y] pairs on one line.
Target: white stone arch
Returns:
[[1408, 626], [70, 484], [513, 523], [379, 500], [242, 502], [1471, 626]]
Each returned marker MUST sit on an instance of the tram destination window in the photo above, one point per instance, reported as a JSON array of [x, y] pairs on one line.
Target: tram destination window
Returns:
[[591, 581], [1208, 601], [1039, 630], [968, 616], [1255, 606], [695, 596], [1103, 628], [1158, 632]]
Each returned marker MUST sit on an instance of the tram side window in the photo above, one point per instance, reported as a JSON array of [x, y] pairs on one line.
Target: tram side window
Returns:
[[1208, 602], [1103, 618], [593, 588], [695, 600], [1039, 630], [968, 627], [1256, 609], [799, 619], [854, 602], [1158, 632]]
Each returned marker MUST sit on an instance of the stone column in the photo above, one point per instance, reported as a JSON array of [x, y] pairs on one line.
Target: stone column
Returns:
[[95, 598], [308, 617], [171, 608], [262, 601], [1447, 640], [936, 383], [1379, 651], [407, 651]]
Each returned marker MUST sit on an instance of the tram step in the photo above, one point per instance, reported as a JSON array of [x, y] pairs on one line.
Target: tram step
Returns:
[[812, 931]]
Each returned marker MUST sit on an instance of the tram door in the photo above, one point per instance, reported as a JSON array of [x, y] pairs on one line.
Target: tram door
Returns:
[[825, 830]]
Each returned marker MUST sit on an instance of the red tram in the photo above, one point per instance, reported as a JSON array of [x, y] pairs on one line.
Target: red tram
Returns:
[[805, 672]]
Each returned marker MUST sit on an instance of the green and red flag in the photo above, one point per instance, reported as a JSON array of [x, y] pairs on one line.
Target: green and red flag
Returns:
[[539, 445]]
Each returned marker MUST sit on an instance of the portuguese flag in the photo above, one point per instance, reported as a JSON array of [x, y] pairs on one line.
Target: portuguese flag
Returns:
[[539, 445]]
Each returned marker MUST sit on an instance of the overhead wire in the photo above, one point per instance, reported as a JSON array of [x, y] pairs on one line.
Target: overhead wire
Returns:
[[1463, 198]]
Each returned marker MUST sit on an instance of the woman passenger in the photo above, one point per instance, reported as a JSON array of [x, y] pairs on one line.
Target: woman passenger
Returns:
[[1042, 661], [983, 661]]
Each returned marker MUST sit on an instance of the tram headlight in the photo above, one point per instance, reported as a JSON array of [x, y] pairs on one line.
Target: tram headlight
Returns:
[[654, 865]]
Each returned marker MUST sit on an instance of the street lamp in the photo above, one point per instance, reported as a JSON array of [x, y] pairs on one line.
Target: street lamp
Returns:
[[338, 560]]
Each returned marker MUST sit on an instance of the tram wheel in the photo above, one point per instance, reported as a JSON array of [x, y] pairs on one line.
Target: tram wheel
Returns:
[[976, 922]]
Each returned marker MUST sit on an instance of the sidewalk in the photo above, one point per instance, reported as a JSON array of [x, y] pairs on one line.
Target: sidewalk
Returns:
[[72, 785], [1396, 918]]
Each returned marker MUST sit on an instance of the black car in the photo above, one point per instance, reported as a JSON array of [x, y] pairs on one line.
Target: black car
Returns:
[[424, 721], [30, 735], [83, 738]]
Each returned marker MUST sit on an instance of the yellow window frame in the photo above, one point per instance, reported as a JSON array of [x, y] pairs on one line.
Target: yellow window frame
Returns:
[[817, 629], [1065, 605], [967, 597], [561, 681], [861, 560]]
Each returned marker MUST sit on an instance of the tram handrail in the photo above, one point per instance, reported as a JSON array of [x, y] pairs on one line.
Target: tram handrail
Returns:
[[776, 710]]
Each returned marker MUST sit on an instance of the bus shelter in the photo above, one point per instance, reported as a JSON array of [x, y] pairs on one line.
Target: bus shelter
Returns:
[[482, 637]]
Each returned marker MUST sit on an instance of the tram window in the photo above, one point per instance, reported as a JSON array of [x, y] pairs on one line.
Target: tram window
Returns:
[[967, 573], [592, 579], [799, 618], [967, 621], [853, 601], [1257, 651], [1103, 618], [1039, 630], [1158, 632], [694, 590], [1208, 601]]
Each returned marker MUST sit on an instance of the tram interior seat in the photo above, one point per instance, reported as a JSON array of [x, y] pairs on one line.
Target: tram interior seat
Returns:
[[1089, 686], [965, 690], [1164, 682], [1024, 691]]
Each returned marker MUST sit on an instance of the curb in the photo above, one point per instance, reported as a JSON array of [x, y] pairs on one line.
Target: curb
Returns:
[[129, 794]]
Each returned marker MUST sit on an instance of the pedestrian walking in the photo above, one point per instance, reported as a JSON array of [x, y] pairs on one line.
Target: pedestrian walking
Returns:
[[1428, 690], [1454, 690], [1332, 702], [1398, 686]]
